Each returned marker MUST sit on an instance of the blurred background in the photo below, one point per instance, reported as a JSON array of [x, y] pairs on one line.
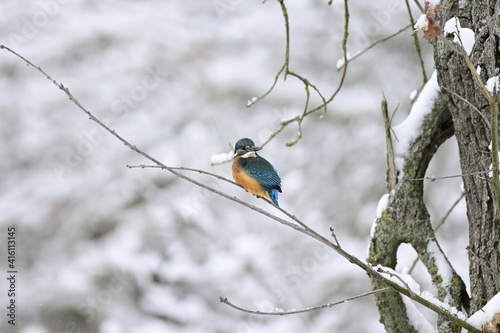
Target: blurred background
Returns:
[[104, 248]]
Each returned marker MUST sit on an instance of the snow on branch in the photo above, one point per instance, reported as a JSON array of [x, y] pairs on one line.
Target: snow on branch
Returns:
[[462, 36], [406, 281], [409, 128], [488, 317]]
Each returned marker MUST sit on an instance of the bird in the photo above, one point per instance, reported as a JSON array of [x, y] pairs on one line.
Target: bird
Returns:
[[254, 172]]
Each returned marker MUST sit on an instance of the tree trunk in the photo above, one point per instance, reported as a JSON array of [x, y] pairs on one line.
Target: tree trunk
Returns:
[[474, 135], [463, 110], [406, 220]]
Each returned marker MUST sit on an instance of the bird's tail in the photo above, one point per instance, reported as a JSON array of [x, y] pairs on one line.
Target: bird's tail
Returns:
[[273, 193]]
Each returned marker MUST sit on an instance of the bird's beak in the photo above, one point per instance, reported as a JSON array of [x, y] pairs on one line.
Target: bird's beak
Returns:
[[254, 148]]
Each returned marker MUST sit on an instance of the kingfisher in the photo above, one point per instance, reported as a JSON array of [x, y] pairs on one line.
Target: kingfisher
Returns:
[[255, 173]]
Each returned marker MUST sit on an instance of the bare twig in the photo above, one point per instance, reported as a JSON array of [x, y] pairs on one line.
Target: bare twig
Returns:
[[419, 6], [416, 42], [440, 224], [255, 100], [286, 70], [350, 59], [445, 217], [472, 106], [332, 231], [344, 54], [290, 312], [486, 265], [185, 169], [433, 179]]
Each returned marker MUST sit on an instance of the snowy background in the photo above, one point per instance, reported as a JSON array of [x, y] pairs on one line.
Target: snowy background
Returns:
[[104, 248]]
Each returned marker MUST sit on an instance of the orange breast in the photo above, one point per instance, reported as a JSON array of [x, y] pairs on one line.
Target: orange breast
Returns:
[[249, 183]]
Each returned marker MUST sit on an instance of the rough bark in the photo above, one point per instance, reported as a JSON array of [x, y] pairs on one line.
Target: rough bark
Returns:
[[474, 136], [406, 220], [461, 112]]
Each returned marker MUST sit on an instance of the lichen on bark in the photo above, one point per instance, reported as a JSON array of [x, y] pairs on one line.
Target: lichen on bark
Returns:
[[406, 220]]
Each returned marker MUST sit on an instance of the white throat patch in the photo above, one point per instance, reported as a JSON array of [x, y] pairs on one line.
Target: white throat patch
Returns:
[[249, 154]]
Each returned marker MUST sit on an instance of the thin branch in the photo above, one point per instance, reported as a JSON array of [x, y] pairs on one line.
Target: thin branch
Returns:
[[485, 264], [255, 100], [308, 84], [380, 270], [185, 169], [300, 118], [332, 231], [344, 54], [445, 217], [285, 65], [440, 224], [314, 308], [416, 42], [419, 6], [347, 60], [472, 106], [433, 179], [285, 68]]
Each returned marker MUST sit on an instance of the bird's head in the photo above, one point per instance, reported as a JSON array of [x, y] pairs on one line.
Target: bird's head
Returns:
[[246, 148]]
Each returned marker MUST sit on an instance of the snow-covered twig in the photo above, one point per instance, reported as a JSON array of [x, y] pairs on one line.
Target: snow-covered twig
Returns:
[[393, 274]]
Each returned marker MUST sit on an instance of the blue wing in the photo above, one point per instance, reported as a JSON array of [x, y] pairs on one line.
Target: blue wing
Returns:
[[260, 169]]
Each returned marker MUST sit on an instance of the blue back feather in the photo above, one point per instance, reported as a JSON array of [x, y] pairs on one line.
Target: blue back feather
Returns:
[[264, 172]]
